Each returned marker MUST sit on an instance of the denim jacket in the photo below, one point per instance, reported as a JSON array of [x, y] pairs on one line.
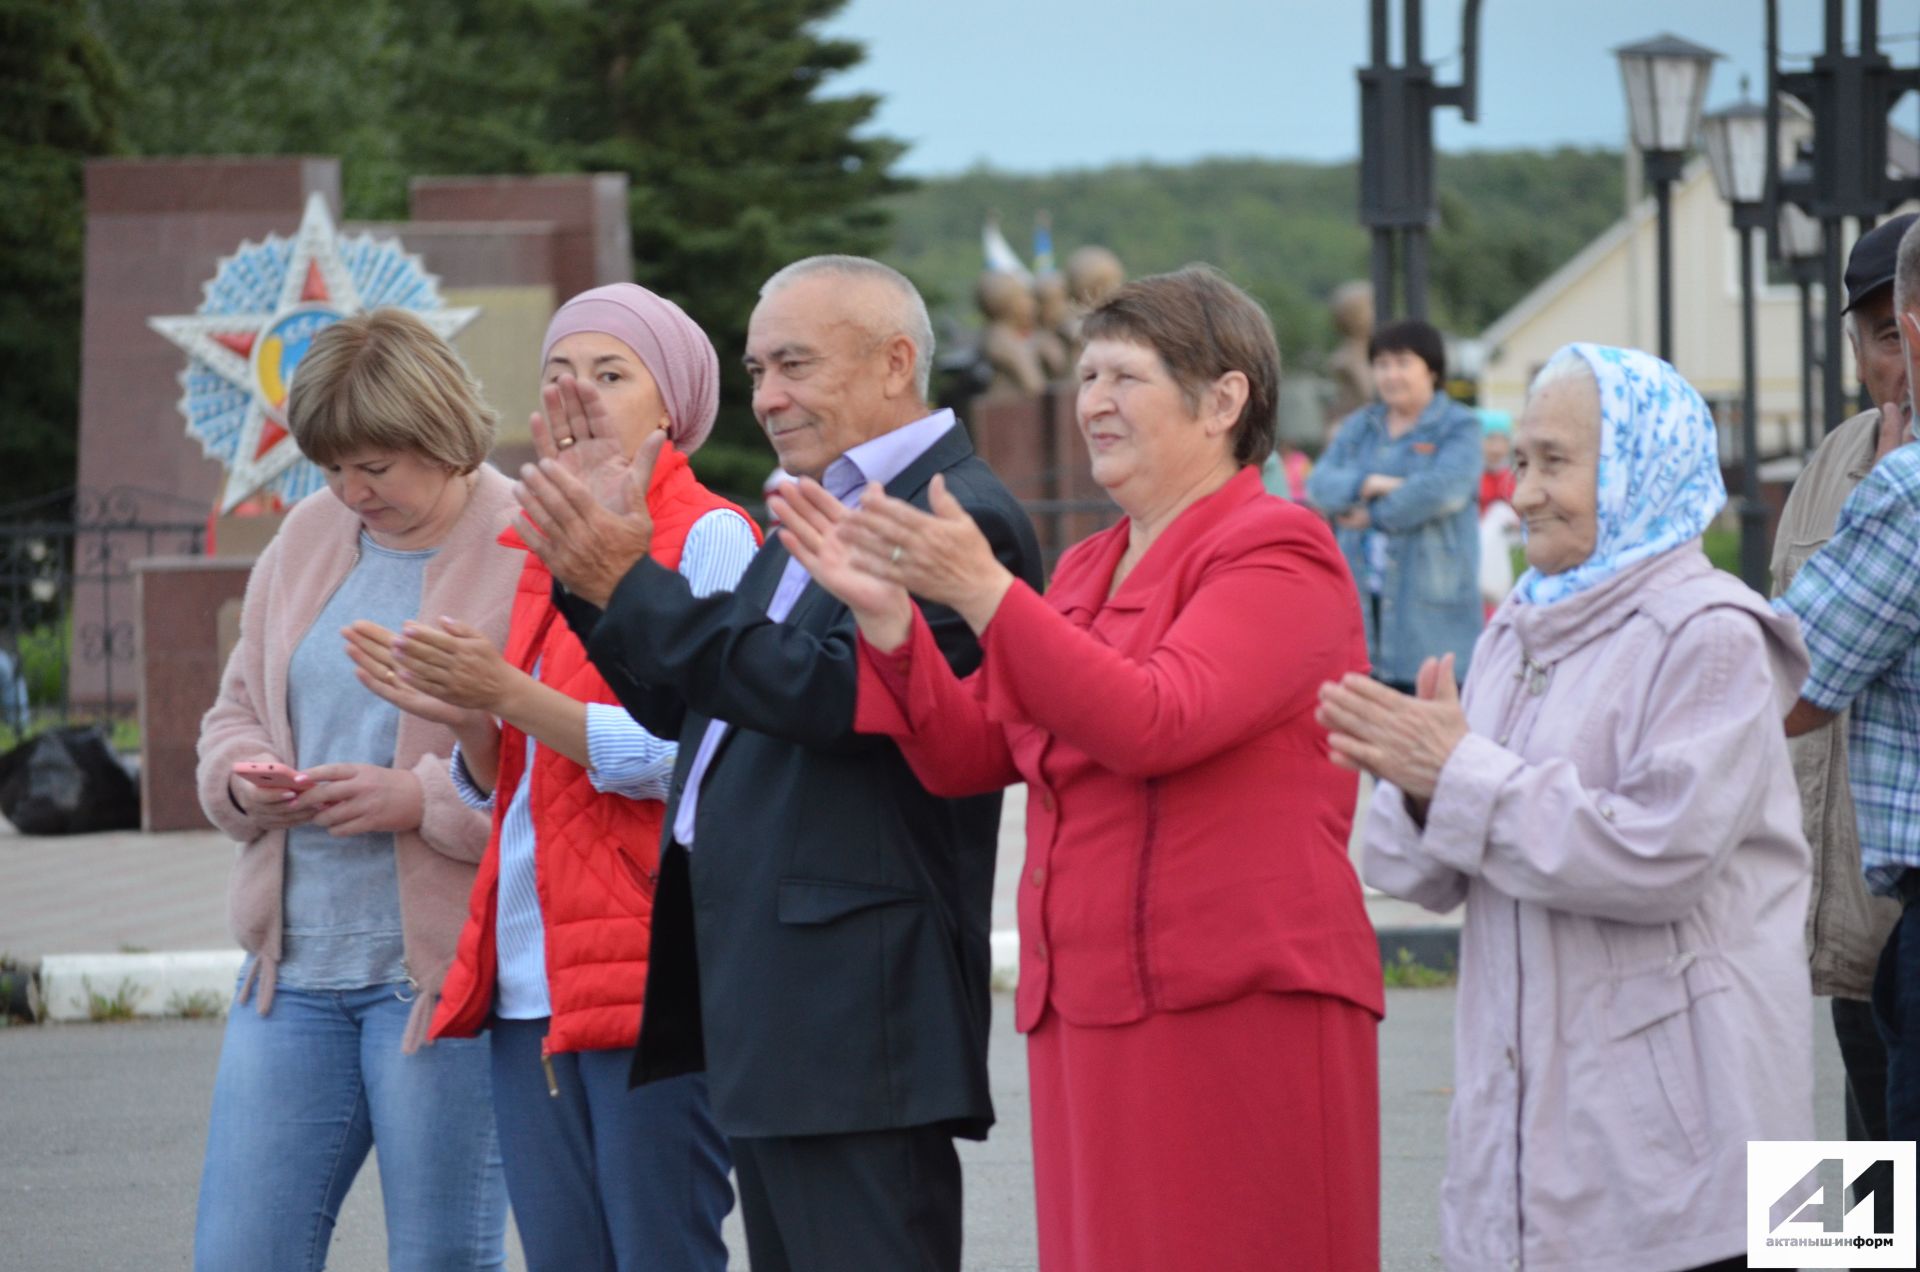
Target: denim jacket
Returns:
[[1430, 598]]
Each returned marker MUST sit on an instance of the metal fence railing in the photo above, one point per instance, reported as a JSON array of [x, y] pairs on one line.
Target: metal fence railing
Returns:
[[67, 620]]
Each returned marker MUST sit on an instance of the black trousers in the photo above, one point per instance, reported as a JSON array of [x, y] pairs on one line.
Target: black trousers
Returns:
[[830, 1203], [1864, 1057]]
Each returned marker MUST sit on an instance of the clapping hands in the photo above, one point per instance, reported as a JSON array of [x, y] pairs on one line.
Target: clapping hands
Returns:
[[1398, 739], [874, 557], [584, 504]]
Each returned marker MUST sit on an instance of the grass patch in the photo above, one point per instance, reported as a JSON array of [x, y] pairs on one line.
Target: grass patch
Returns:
[[43, 660], [1403, 972], [123, 733], [201, 1004], [1723, 549], [119, 1005]]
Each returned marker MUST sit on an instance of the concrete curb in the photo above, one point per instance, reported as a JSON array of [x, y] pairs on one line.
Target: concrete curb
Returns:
[[79, 987]]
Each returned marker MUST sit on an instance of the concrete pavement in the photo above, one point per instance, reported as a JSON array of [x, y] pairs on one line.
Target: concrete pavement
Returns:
[[98, 1170], [120, 892], [100, 1152]]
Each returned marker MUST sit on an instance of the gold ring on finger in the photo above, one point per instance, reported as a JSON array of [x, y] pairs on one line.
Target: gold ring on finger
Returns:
[[567, 441], [895, 558]]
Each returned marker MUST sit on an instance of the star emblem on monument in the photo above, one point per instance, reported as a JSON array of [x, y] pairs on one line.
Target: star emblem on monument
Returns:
[[263, 307]]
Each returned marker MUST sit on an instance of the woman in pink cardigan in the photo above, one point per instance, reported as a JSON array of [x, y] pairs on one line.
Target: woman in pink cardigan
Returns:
[[1611, 799], [348, 894]]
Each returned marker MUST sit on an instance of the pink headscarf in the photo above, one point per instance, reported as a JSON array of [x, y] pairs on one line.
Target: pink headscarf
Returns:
[[661, 335]]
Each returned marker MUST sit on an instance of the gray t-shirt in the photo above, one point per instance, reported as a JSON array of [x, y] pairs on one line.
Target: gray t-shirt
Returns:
[[342, 896]]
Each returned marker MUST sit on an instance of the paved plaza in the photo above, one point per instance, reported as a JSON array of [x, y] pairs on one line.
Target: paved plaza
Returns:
[[105, 1123]]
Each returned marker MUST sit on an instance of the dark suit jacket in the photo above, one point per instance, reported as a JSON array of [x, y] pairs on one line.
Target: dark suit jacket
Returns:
[[841, 913]]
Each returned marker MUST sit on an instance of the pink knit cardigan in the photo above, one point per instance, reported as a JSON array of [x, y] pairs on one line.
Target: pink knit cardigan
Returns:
[[471, 578]]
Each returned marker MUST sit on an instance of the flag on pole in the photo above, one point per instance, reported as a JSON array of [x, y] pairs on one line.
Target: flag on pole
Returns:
[[1001, 258]]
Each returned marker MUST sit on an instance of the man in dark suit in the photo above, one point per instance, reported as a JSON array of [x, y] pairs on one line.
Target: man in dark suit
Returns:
[[839, 998]]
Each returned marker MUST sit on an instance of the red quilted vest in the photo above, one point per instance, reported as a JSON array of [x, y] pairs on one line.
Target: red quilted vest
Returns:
[[595, 856]]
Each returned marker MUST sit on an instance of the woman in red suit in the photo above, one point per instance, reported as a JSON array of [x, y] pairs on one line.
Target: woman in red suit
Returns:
[[1199, 983]]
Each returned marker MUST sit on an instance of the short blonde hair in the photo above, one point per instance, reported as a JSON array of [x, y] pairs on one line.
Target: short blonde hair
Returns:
[[383, 380]]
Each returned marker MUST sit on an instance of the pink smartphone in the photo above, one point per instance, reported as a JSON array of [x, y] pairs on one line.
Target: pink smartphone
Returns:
[[272, 777]]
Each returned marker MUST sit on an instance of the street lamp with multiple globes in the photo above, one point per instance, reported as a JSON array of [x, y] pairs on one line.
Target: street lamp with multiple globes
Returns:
[[1802, 248], [1735, 140], [1666, 83]]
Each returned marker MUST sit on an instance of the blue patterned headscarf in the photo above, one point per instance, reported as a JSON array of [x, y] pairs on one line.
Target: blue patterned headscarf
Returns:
[[1659, 472]]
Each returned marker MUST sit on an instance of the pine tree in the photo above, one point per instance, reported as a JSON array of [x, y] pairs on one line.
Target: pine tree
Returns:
[[266, 77], [58, 101], [739, 161]]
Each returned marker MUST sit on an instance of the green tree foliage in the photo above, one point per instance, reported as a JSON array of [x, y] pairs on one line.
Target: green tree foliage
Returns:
[[1288, 232], [58, 101], [216, 77], [739, 154], [738, 162], [482, 87], [739, 158]]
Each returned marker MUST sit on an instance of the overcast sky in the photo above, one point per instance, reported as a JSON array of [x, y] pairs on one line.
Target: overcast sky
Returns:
[[1038, 85]]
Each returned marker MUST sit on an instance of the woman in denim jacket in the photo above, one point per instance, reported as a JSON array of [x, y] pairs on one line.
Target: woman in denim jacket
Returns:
[[1400, 480]]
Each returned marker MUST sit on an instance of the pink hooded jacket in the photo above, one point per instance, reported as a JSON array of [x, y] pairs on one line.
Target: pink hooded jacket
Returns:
[[1624, 828], [471, 578]]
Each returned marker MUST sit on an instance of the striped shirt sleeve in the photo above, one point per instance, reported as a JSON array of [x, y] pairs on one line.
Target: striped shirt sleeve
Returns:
[[463, 786], [623, 758]]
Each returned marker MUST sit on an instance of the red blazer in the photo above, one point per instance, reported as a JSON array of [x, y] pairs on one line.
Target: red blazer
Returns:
[[1186, 830], [596, 856]]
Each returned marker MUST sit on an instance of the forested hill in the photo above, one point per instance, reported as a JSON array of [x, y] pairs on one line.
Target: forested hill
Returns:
[[1288, 232]]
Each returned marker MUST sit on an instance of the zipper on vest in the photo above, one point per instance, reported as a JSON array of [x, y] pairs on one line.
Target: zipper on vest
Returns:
[[546, 1064]]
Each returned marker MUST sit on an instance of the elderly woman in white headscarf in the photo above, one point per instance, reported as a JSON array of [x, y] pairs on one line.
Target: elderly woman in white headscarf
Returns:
[[1612, 801]]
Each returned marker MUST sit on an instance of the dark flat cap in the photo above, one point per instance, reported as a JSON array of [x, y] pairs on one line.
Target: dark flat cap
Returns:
[[1870, 265]]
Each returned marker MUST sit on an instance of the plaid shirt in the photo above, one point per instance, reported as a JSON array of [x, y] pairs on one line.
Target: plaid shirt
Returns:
[[1858, 602]]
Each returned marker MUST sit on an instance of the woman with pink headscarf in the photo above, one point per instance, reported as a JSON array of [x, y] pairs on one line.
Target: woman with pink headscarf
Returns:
[[553, 960]]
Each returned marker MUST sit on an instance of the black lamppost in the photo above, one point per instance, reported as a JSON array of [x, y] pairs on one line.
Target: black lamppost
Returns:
[[1802, 249], [1736, 145], [1396, 149], [1666, 82], [1849, 96]]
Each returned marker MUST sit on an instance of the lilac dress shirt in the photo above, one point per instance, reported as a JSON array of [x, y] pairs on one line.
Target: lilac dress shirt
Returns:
[[878, 459]]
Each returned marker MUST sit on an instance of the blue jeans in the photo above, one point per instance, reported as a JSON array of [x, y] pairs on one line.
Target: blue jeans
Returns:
[[605, 1177], [302, 1093]]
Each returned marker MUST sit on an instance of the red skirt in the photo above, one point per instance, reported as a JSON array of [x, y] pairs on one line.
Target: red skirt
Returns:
[[1244, 1135]]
